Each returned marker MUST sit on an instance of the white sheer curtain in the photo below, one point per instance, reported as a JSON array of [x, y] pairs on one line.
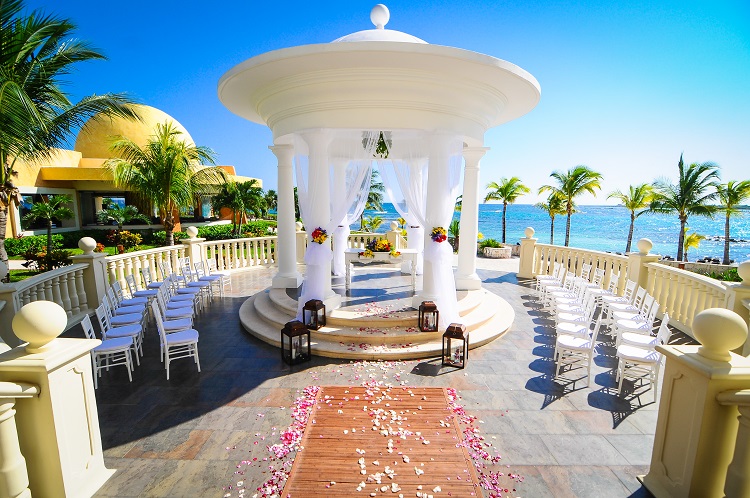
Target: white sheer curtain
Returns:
[[357, 182], [444, 175], [341, 204]]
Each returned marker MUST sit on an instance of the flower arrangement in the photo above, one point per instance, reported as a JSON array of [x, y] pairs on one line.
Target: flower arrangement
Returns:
[[394, 253], [319, 235], [379, 245], [367, 254], [99, 247], [438, 234]]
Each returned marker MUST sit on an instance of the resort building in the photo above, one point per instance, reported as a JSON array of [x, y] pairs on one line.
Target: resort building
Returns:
[[80, 173]]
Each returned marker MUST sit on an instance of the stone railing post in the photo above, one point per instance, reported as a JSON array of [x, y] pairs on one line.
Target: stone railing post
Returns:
[[14, 478], [526, 264], [695, 434], [95, 279], [738, 481], [637, 261], [193, 246], [738, 295], [392, 236], [301, 244]]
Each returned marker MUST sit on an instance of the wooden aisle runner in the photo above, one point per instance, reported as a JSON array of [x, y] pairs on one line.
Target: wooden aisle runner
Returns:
[[379, 441]]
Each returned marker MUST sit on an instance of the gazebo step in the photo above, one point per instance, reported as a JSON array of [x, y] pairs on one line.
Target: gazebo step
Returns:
[[260, 317]]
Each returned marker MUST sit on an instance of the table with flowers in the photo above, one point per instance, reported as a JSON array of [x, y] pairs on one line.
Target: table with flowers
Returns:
[[354, 255]]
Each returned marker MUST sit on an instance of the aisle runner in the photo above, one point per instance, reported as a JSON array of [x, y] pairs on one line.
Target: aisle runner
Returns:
[[382, 441]]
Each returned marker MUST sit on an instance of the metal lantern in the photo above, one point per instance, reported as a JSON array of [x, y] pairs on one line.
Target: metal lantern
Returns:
[[295, 342], [314, 314], [428, 317], [455, 346]]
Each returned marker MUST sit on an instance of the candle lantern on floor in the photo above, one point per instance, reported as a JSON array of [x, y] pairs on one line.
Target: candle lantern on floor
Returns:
[[455, 346], [295, 342], [314, 314], [428, 317]]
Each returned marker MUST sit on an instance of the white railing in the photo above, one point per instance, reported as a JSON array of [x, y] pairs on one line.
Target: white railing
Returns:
[[360, 240], [545, 255], [63, 286], [131, 263], [234, 254], [684, 294]]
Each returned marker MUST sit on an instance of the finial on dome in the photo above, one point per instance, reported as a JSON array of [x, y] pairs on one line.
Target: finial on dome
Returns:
[[380, 15]]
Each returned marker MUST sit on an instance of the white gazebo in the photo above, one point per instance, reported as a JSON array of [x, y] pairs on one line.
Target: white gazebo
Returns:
[[328, 105]]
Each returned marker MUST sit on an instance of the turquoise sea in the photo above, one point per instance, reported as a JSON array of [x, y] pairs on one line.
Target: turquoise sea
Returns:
[[605, 228]]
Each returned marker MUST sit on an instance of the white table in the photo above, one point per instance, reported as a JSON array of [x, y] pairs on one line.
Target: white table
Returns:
[[351, 255]]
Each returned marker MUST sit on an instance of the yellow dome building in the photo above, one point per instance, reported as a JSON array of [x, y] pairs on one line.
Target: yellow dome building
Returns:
[[80, 172]]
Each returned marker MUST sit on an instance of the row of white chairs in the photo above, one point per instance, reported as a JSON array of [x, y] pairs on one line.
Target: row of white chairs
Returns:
[[573, 301]]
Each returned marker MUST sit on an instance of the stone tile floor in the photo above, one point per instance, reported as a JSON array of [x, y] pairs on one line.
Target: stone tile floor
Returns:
[[185, 437]]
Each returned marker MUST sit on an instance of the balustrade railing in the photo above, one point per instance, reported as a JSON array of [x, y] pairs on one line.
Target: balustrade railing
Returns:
[[545, 255], [234, 254], [131, 263], [684, 294], [63, 286], [360, 240]]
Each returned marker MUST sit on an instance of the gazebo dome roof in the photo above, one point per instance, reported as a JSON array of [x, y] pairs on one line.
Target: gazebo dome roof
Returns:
[[379, 17]]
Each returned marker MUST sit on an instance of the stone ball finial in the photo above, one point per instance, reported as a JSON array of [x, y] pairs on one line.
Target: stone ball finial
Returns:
[[744, 271], [394, 226], [298, 225], [644, 246], [39, 323], [87, 245], [192, 232], [529, 232], [380, 15], [719, 331]]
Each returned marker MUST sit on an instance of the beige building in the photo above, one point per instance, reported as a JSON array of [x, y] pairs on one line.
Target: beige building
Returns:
[[80, 173]]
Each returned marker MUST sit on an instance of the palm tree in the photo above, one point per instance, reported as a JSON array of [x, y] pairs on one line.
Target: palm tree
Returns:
[[375, 197], [37, 52], [166, 172], [272, 199], [55, 207], [570, 185], [731, 195], [554, 206], [637, 197], [120, 215], [692, 240], [694, 190], [229, 197], [507, 191], [253, 198]]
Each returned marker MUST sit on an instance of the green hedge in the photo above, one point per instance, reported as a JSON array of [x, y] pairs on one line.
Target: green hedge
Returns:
[[16, 247]]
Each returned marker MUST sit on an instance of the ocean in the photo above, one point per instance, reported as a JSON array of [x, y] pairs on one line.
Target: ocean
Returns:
[[605, 228]]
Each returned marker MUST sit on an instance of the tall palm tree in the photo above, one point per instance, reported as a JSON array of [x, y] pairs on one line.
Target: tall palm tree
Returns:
[[166, 172], [253, 198], [731, 195], [375, 197], [55, 207], [637, 197], [272, 199], [37, 52], [507, 191], [571, 184], [691, 195], [229, 197], [553, 207]]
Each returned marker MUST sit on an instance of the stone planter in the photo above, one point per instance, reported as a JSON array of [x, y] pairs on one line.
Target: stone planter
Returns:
[[498, 252]]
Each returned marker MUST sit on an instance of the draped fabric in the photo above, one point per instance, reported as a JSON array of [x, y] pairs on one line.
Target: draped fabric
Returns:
[[357, 181], [311, 189]]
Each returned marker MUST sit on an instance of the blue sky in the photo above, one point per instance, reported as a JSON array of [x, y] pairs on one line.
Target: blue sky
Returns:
[[626, 86]]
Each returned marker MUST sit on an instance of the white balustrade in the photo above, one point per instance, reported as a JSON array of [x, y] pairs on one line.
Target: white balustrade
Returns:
[[684, 294], [130, 263], [573, 259], [235, 254], [359, 241], [58, 286]]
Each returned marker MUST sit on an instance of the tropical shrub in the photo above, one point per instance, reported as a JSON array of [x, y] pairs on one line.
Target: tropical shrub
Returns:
[[21, 245], [160, 238], [489, 243], [46, 262], [731, 275]]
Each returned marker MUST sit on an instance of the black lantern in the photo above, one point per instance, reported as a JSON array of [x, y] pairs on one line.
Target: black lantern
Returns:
[[455, 346], [295, 342], [428, 317], [314, 314]]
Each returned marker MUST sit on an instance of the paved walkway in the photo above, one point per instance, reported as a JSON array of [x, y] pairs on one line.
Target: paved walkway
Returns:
[[187, 436]]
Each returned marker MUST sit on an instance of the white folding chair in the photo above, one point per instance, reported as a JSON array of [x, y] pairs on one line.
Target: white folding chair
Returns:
[[648, 341], [226, 278], [641, 324], [575, 349], [203, 276], [118, 309], [133, 332], [150, 282], [191, 280], [133, 288], [642, 363], [126, 301], [183, 344], [110, 353]]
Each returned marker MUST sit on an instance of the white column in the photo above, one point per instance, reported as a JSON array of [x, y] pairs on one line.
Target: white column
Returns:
[[286, 242], [319, 187], [466, 276], [340, 235]]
